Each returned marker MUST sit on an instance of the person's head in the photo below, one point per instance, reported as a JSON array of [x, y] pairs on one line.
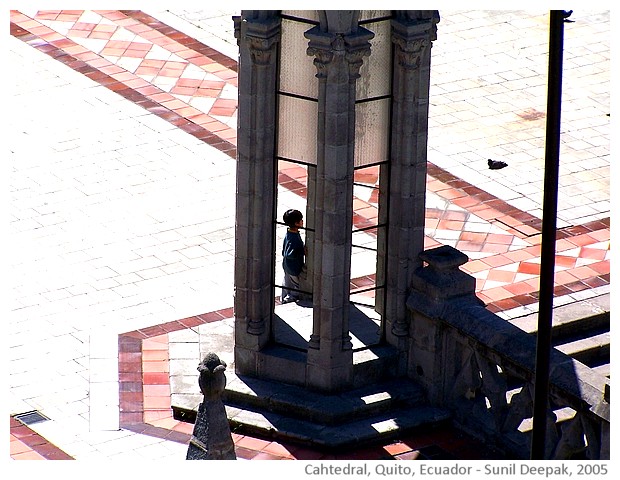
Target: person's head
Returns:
[[292, 218]]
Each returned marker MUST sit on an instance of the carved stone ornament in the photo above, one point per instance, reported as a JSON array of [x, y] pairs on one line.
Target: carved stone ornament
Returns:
[[409, 51], [325, 47], [262, 50]]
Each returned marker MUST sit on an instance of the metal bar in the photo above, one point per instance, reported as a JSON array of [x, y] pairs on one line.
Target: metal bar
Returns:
[[549, 227]]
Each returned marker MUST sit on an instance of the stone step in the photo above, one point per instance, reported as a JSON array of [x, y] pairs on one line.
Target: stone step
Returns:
[[580, 329], [604, 369], [592, 351], [365, 415], [351, 434], [574, 320], [326, 409]]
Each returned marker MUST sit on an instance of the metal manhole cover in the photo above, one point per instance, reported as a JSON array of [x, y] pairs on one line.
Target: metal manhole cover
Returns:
[[28, 418]]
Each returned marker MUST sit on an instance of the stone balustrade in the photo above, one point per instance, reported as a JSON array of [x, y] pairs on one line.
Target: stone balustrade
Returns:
[[482, 368]]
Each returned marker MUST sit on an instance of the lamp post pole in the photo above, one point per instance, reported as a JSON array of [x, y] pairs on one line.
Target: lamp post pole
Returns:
[[547, 261]]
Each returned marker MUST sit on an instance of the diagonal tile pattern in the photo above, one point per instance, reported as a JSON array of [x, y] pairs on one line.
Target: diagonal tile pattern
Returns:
[[193, 87]]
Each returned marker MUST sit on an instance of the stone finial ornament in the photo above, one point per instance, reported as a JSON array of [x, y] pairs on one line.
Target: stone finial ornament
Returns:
[[211, 439]]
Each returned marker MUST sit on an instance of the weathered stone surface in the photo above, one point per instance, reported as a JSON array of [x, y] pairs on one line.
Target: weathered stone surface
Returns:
[[211, 439]]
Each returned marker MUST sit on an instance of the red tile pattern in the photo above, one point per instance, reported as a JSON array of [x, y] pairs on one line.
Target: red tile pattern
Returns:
[[26, 444], [196, 71], [152, 413], [194, 87]]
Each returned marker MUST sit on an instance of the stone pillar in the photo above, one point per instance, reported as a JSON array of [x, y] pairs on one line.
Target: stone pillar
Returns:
[[258, 33], [211, 439], [434, 287], [338, 52], [307, 276], [412, 34]]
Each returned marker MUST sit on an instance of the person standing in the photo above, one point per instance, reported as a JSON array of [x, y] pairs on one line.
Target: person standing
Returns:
[[293, 254]]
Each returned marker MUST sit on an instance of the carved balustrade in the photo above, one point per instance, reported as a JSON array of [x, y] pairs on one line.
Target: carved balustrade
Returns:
[[482, 368]]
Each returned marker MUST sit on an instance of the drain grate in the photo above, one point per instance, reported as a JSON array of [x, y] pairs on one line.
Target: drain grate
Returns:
[[28, 418]]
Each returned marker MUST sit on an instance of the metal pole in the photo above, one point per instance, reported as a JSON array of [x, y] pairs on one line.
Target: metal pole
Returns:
[[547, 260]]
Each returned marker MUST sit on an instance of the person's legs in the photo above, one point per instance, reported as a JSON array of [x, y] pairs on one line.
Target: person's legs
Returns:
[[290, 282]]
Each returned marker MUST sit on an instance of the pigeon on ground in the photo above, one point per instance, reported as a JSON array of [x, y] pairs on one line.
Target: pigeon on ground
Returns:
[[496, 164]]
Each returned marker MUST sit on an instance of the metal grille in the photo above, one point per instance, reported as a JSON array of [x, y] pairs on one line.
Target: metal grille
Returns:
[[28, 418]]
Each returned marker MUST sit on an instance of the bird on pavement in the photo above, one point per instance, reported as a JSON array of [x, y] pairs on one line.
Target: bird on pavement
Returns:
[[496, 164]]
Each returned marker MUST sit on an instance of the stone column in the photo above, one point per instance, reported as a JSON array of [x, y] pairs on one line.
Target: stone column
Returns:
[[258, 33], [338, 57], [307, 276], [412, 34]]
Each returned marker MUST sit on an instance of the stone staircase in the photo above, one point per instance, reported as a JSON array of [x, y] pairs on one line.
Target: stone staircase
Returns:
[[335, 422], [580, 330]]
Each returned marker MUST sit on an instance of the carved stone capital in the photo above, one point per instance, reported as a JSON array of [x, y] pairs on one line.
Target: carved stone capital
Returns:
[[409, 52], [260, 32], [327, 47], [413, 33], [262, 50]]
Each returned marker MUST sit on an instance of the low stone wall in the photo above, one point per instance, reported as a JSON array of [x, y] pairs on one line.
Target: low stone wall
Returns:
[[482, 368]]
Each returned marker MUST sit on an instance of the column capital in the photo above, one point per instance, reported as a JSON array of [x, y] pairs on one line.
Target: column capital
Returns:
[[261, 33], [326, 47], [412, 34]]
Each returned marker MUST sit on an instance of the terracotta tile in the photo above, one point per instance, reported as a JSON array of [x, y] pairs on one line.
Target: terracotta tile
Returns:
[[582, 240], [48, 14], [564, 261], [518, 255], [159, 342], [135, 53], [500, 238], [245, 453], [465, 246], [397, 448], [17, 447], [501, 276], [601, 235], [594, 282], [154, 403], [156, 378], [455, 215], [78, 33], [583, 272], [231, 135], [592, 253], [413, 455], [495, 248], [450, 225], [564, 277], [155, 366], [497, 293], [277, 449], [251, 443], [100, 35], [519, 288], [577, 286], [452, 193], [223, 111], [497, 260], [27, 455], [156, 390], [154, 355], [154, 416], [601, 268]]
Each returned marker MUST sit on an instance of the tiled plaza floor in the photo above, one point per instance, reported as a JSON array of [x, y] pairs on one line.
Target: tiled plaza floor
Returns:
[[192, 87]]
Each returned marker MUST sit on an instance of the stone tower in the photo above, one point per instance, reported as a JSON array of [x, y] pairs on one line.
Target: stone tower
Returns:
[[333, 93]]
